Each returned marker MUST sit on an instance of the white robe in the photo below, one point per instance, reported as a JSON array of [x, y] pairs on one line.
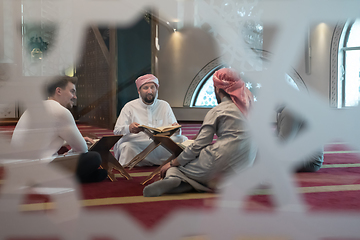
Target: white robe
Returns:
[[155, 115]]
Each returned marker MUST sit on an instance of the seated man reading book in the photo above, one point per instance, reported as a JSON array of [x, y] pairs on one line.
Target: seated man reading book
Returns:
[[149, 111], [202, 163], [61, 95]]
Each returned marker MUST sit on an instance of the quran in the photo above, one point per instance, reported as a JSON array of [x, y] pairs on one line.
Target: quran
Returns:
[[69, 161], [161, 129], [186, 143], [105, 143]]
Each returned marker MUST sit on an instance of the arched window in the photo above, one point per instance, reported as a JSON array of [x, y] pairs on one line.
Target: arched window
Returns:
[[201, 90], [205, 96], [349, 65]]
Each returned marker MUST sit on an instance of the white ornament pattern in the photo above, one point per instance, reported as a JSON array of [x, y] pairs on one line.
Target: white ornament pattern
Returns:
[[228, 220]]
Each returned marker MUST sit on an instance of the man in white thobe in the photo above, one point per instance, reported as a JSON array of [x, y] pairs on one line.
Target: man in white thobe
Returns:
[[146, 110]]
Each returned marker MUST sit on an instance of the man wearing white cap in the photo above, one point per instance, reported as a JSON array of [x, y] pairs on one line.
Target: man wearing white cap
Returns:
[[146, 110]]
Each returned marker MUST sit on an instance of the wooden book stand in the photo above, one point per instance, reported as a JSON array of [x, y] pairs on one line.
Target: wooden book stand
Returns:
[[141, 156], [171, 146], [70, 162], [108, 162]]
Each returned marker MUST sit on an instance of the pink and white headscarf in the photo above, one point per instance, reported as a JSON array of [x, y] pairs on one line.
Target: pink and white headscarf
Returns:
[[230, 81], [146, 79]]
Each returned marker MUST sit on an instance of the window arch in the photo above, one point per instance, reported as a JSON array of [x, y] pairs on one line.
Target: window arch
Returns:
[[206, 96], [201, 91], [348, 77]]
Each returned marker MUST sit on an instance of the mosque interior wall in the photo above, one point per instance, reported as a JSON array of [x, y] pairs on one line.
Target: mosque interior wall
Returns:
[[176, 69]]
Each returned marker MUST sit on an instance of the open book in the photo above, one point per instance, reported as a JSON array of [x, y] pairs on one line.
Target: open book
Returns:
[[186, 143], [89, 144], [161, 129]]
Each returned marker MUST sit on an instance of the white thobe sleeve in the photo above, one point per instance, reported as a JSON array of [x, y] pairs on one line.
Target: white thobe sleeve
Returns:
[[171, 118], [70, 133], [123, 122]]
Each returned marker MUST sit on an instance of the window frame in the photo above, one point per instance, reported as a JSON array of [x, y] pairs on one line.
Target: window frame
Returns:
[[337, 95], [201, 85], [342, 56], [208, 70]]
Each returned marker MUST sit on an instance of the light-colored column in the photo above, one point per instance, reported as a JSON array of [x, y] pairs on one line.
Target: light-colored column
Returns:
[[2, 36], [113, 51], [154, 41]]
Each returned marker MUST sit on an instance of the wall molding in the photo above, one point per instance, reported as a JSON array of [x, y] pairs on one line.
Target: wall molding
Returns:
[[198, 79], [334, 56]]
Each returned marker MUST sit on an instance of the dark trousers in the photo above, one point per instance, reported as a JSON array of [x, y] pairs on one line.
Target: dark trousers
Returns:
[[88, 168]]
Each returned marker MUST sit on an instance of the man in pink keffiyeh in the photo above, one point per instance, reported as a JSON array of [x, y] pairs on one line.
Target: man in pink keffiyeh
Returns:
[[203, 163], [230, 82]]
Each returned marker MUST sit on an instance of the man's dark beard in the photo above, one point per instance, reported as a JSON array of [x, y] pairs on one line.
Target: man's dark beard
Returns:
[[147, 100], [70, 105], [218, 99]]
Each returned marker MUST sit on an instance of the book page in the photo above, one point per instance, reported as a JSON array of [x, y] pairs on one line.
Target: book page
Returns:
[[187, 142], [169, 127], [151, 128], [161, 129], [89, 144]]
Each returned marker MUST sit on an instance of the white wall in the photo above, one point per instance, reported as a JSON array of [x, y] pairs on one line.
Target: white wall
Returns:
[[318, 79], [181, 57], [183, 54]]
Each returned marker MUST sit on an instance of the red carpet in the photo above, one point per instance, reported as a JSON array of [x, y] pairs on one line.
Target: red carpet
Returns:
[[335, 187], [343, 158]]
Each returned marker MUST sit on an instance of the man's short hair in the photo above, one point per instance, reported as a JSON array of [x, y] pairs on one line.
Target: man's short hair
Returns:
[[61, 81]]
